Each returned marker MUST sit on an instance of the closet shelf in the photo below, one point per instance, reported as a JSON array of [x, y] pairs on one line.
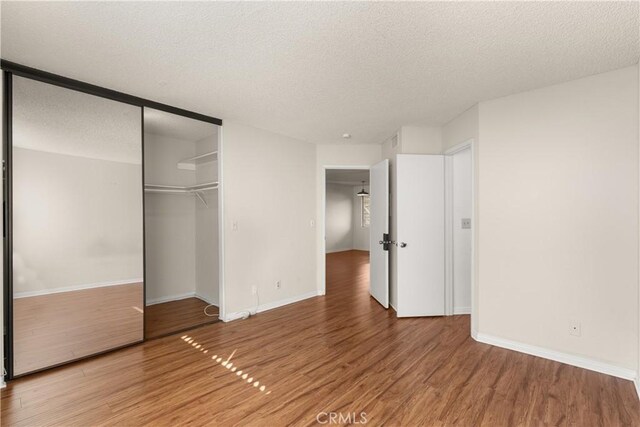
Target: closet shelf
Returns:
[[157, 188], [176, 189], [192, 162]]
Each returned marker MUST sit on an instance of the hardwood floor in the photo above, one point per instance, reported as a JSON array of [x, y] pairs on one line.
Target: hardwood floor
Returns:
[[170, 317], [342, 353], [55, 328]]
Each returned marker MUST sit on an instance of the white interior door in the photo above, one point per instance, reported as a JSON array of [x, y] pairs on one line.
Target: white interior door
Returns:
[[379, 231], [420, 235]]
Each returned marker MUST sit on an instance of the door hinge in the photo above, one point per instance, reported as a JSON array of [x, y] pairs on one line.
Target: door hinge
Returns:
[[385, 242]]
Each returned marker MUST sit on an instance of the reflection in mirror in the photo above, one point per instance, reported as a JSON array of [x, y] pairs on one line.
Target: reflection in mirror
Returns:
[[77, 225]]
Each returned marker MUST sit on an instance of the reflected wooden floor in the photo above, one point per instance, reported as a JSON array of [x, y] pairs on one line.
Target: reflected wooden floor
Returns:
[[342, 352], [169, 317], [55, 328]]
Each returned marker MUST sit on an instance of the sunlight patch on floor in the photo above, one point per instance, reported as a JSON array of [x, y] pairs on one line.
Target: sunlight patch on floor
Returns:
[[226, 364]]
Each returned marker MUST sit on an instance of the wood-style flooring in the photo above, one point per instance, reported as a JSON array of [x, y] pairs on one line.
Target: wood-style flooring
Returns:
[[55, 328], [338, 353], [173, 316]]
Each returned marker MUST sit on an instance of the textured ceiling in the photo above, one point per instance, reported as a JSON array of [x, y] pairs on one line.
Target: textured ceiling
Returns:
[[166, 124], [55, 120], [316, 70]]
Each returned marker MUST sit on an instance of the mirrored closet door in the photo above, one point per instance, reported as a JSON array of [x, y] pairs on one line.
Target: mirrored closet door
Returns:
[[181, 223], [77, 207]]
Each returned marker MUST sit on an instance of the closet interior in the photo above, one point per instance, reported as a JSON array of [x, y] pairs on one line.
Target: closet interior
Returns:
[[181, 223]]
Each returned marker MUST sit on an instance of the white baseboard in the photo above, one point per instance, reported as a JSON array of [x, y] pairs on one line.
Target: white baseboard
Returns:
[[178, 297], [170, 298], [269, 306], [207, 300], [333, 251], [76, 288], [636, 382], [2, 384], [461, 310], [569, 359]]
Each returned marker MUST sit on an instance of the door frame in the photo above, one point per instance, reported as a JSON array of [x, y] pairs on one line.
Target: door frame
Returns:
[[468, 144], [322, 220], [222, 311]]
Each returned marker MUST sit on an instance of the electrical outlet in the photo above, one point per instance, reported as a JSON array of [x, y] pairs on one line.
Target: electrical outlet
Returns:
[[575, 328], [254, 290], [278, 284], [465, 223]]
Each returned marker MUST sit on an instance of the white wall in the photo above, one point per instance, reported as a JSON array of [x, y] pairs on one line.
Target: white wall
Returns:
[[361, 238], [270, 196], [420, 140], [413, 140], [206, 228], [462, 207], [558, 217], [339, 229], [461, 129], [169, 221], [77, 222], [363, 155]]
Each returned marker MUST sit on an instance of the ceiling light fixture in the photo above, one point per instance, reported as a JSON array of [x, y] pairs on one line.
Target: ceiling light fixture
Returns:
[[362, 193], [346, 135]]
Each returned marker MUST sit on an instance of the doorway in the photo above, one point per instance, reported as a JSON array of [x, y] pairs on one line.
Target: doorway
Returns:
[[432, 233], [459, 213], [459, 235], [346, 228], [181, 223]]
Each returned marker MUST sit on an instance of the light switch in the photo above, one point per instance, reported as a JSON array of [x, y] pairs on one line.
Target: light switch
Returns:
[[466, 223]]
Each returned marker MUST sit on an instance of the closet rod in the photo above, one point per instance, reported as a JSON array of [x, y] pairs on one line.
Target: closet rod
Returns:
[[213, 184], [166, 190], [200, 156], [181, 189]]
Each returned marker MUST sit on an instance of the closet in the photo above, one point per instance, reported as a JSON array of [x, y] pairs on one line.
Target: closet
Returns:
[[111, 230], [181, 222]]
